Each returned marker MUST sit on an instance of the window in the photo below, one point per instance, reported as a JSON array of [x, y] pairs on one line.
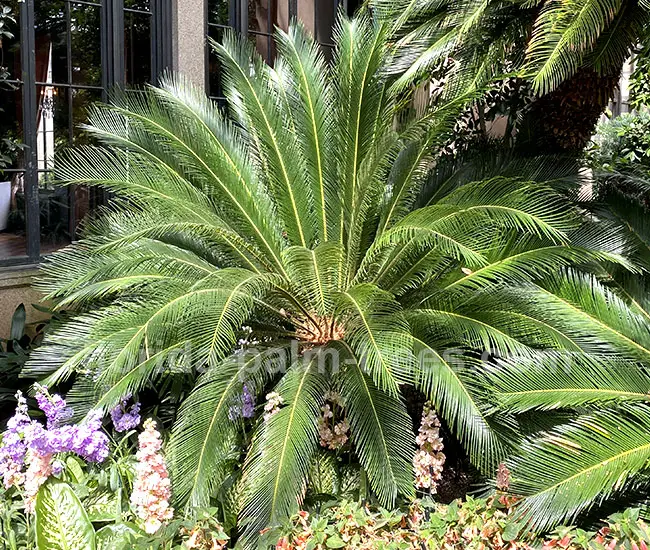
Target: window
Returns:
[[64, 56], [257, 19]]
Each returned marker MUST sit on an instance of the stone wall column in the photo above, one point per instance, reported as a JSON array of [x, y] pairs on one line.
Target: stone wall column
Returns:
[[188, 39]]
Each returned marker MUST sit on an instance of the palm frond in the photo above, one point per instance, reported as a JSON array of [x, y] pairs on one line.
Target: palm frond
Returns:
[[204, 432], [569, 469], [460, 398], [309, 100], [281, 453], [254, 105], [548, 381], [378, 334], [381, 431], [563, 33]]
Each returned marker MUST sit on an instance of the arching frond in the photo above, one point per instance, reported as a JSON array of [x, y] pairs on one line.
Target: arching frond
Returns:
[[309, 100], [378, 334], [204, 433], [563, 33], [548, 381], [280, 457], [380, 429], [569, 469], [459, 396], [255, 106]]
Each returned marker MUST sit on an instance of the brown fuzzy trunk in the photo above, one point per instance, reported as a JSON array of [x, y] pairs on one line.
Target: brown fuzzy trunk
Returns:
[[564, 120]]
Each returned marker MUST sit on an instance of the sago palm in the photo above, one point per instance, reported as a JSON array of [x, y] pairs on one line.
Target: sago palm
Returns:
[[572, 52], [293, 215]]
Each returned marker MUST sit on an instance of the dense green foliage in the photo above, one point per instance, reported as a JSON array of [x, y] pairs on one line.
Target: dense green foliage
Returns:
[[546, 41], [306, 215], [622, 144], [475, 524]]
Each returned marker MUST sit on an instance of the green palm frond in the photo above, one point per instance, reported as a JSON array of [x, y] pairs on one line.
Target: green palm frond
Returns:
[[378, 334], [450, 383], [204, 434], [563, 33], [544, 41], [255, 105], [569, 469], [579, 304], [548, 381], [381, 432], [309, 100], [278, 463]]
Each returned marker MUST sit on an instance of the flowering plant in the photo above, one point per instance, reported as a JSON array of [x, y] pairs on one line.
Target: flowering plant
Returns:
[[429, 460], [28, 449], [152, 488]]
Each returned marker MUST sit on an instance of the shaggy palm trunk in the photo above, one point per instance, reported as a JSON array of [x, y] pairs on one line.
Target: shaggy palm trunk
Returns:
[[564, 120]]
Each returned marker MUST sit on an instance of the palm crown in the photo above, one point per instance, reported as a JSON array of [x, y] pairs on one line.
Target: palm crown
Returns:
[[302, 213], [547, 41]]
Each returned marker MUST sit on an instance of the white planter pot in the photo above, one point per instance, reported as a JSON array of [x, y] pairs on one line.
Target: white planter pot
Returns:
[[5, 203]]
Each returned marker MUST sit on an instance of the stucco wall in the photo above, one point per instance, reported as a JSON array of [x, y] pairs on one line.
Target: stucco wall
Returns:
[[15, 289]]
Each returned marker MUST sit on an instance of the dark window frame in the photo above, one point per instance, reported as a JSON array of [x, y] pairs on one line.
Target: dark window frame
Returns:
[[112, 51], [239, 21]]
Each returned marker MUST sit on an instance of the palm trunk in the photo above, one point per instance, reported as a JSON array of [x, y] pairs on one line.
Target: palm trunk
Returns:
[[564, 120]]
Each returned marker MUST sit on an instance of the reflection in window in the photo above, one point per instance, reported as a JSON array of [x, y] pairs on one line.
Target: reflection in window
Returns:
[[12, 215], [68, 78], [137, 43], [257, 19], [72, 47]]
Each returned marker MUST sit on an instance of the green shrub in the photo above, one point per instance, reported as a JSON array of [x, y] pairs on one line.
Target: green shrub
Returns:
[[621, 143], [475, 524]]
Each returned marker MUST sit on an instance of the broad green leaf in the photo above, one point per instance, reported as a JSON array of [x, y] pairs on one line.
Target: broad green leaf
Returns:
[[61, 521], [116, 537]]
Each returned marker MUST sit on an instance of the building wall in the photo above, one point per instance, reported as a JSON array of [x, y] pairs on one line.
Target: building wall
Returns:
[[188, 39]]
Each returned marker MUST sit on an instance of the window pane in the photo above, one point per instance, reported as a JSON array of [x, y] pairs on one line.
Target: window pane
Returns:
[[82, 100], [11, 133], [13, 241], [264, 44], [54, 209], [137, 48], [53, 122], [141, 5], [51, 41], [61, 111], [219, 12], [85, 44], [214, 69], [12, 212], [10, 43], [259, 16]]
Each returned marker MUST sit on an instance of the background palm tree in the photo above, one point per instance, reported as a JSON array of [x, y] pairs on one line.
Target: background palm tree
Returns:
[[305, 214], [571, 52]]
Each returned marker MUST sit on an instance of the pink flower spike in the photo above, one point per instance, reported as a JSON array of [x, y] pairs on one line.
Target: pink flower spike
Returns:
[[151, 488]]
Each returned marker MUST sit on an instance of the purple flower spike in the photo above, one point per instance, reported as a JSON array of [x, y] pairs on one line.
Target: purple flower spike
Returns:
[[14, 447], [125, 419], [244, 406], [55, 408], [248, 403]]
